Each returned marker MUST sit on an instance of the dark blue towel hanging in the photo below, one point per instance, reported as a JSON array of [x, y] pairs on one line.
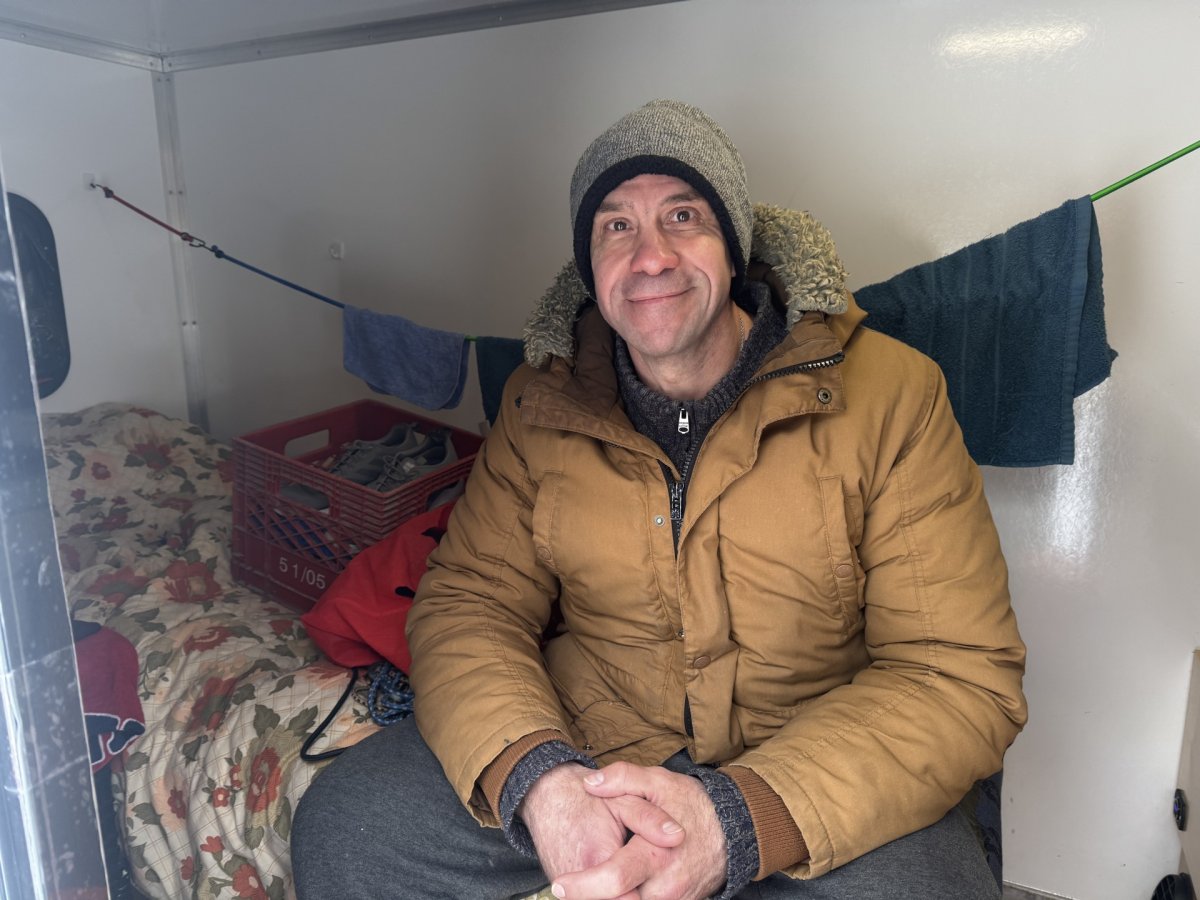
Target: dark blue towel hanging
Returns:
[[1016, 322]]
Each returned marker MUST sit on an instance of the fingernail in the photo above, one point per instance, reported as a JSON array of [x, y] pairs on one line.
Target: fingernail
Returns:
[[557, 890], [672, 827], [594, 778]]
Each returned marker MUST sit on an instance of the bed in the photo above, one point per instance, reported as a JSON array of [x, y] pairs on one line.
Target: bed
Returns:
[[229, 683]]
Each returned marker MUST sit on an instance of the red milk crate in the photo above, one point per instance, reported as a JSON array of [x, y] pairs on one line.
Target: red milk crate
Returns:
[[291, 551]]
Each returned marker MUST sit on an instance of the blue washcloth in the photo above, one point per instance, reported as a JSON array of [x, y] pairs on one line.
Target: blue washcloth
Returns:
[[423, 366], [1016, 323], [496, 358]]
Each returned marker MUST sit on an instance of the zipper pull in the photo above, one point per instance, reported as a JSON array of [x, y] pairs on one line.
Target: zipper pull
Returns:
[[685, 424], [677, 501]]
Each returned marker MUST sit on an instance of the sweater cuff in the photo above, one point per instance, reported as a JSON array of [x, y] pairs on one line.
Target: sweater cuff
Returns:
[[532, 766], [493, 778], [780, 843], [740, 845]]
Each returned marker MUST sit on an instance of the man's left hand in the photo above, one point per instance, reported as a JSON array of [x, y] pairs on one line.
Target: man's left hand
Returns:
[[690, 871]]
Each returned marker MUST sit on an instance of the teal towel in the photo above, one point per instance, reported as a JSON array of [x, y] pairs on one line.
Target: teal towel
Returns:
[[496, 358], [1016, 322]]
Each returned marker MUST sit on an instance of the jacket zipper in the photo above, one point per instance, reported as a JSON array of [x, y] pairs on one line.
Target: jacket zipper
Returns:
[[678, 489], [685, 423], [812, 366]]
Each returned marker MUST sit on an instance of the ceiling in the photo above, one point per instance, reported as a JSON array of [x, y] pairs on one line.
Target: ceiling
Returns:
[[180, 34]]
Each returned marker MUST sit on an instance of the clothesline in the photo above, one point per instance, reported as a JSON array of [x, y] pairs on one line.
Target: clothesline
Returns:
[[1062, 312], [1129, 179], [193, 241]]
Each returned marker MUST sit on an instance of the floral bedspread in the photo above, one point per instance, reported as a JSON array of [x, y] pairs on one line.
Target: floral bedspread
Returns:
[[230, 684]]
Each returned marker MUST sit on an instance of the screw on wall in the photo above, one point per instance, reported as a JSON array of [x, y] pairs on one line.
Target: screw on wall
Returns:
[[1180, 809]]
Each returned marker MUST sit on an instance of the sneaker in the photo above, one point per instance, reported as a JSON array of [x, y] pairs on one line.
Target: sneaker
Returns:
[[363, 461], [400, 469], [445, 495], [304, 495]]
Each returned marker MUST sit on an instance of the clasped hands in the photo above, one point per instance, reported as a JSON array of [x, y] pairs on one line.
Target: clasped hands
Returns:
[[625, 832]]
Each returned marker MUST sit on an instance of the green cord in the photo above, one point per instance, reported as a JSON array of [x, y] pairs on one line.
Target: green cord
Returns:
[[1146, 171]]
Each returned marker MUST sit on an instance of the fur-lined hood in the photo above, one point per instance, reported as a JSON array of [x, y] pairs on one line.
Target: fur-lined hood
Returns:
[[796, 250]]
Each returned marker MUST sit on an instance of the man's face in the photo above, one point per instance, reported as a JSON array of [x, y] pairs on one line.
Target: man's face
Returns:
[[662, 273]]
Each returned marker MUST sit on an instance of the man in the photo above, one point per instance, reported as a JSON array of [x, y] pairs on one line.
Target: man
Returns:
[[784, 648]]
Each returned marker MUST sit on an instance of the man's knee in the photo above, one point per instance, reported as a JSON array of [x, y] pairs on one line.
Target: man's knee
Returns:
[[363, 803], [941, 862], [387, 800]]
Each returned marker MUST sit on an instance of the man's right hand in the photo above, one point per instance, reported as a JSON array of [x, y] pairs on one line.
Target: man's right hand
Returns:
[[573, 830]]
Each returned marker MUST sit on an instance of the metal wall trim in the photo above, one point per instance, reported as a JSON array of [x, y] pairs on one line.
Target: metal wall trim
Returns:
[[52, 39], [405, 28], [194, 381], [473, 18]]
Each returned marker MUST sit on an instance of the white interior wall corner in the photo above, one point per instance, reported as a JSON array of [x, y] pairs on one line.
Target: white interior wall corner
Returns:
[[166, 113], [63, 116]]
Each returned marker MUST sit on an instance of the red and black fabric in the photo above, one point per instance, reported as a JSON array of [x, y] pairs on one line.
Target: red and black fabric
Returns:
[[108, 680]]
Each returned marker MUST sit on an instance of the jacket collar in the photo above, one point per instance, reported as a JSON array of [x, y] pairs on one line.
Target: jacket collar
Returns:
[[790, 251], [582, 394]]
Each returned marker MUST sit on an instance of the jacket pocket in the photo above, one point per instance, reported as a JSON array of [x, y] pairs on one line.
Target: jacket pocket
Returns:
[[608, 725], [842, 530], [600, 720]]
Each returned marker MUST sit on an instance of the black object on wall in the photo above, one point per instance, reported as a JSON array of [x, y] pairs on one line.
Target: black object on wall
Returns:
[[1175, 887], [38, 261]]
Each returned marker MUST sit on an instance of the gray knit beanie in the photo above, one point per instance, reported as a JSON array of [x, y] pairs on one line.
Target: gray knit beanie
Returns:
[[664, 137]]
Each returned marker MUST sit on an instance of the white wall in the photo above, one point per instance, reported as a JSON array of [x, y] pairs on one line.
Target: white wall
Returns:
[[910, 129], [440, 164], [62, 116]]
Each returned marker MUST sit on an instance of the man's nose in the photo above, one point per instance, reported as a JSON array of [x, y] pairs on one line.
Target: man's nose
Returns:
[[653, 253]]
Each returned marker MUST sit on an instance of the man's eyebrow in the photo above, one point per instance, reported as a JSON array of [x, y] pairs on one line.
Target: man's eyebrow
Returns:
[[688, 196], [610, 206]]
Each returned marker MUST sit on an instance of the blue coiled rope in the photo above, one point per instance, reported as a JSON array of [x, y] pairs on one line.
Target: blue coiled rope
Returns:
[[390, 698]]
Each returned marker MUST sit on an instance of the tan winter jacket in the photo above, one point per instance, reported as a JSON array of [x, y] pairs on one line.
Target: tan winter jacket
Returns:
[[836, 617]]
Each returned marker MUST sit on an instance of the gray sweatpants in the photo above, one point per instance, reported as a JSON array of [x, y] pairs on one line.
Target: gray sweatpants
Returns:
[[382, 822]]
